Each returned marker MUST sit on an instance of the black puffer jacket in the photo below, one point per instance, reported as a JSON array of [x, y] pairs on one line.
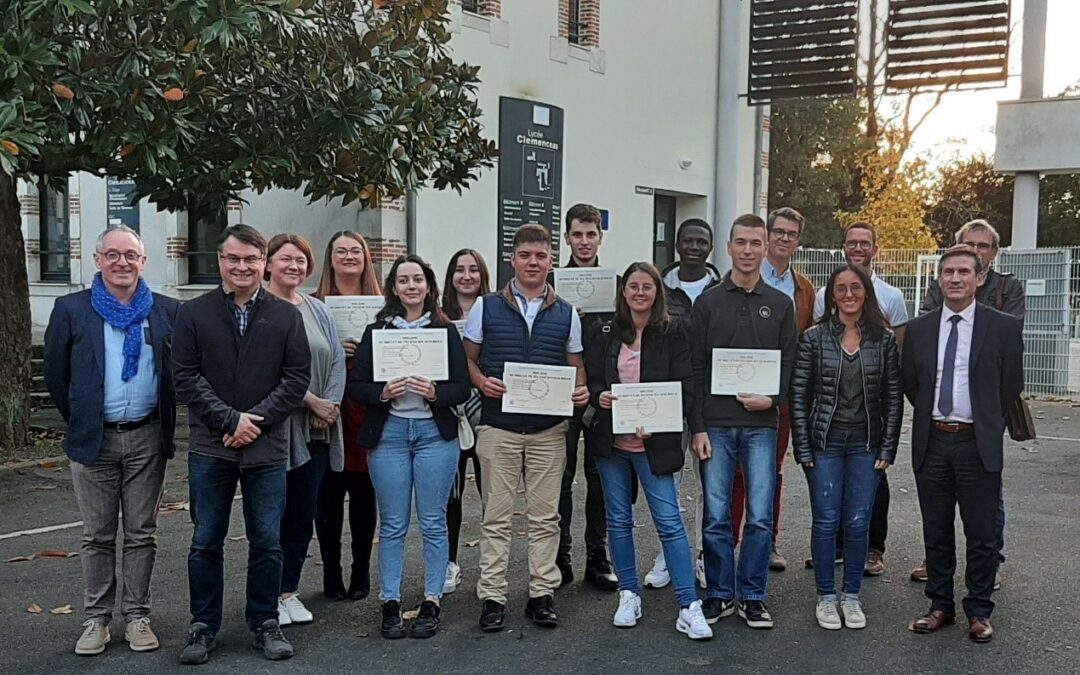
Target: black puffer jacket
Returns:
[[815, 382]]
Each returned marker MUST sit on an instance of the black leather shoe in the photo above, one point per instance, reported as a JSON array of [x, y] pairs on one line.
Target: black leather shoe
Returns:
[[566, 568], [333, 586], [393, 627], [492, 616], [541, 611], [598, 573], [359, 584], [427, 621]]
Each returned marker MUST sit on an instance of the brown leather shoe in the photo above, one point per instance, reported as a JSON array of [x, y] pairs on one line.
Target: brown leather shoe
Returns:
[[919, 573], [980, 630], [875, 564], [932, 622]]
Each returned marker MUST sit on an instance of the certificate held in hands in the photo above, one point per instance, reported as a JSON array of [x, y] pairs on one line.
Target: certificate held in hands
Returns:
[[590, 289], [538, 390], [654, 406], [353, 313], [745, 371], [403, 353]]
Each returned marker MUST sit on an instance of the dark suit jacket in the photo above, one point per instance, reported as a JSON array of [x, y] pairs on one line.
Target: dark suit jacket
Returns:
[[75, 371], [995, 378]]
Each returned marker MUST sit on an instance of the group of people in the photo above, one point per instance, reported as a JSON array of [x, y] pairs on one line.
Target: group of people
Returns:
[[281, 404]]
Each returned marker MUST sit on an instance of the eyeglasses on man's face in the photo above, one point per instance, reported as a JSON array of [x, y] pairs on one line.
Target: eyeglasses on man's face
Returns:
[[132, 257], [788, 235], [858, 245], [235, 260], [979, 246]]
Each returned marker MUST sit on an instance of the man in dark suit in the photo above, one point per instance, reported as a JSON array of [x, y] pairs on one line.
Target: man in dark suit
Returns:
[[107, 370], [962, 367]]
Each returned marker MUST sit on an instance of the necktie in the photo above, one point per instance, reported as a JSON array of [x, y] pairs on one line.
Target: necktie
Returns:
[[945, 399]]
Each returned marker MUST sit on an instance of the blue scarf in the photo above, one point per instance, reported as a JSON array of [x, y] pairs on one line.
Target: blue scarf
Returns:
[[127, 318]]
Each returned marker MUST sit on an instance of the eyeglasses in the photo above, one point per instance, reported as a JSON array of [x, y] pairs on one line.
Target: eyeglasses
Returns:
[[355, 252], [789, 235], [235, 260], [128, 256], [858, 245], [981, 246]]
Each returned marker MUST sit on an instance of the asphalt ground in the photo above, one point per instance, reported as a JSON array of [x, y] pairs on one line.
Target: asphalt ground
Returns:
[[1036, 618]]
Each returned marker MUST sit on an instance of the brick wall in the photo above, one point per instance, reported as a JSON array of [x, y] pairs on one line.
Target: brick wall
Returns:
[[176, 248], [589, 14], [385, 250], [486, 7], [75, 249]]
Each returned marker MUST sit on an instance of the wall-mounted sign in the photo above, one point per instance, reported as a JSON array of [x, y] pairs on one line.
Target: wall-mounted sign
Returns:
[[121, 211], [1035, 287], [530, 173], [644, 190]]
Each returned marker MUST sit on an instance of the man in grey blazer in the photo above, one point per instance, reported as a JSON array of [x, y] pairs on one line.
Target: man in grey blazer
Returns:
[[106, 368]]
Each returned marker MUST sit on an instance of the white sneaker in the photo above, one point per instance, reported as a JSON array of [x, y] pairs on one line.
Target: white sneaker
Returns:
[[94, 637], [700, 572], [629, 610], [853, 614], [453, 578], [827, 616], [283, 617], [295, 610], [692, 622], [658, 576]]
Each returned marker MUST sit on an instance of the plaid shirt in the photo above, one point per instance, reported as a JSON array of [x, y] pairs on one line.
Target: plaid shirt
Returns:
[[242, 313]]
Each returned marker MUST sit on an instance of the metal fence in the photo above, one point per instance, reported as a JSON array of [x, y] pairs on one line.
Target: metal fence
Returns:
[[1052, 319]]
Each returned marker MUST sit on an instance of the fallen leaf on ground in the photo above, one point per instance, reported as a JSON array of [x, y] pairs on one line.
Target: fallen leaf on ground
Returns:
[[698, 661], [410, 615], [239, 538], [49, 465], [175, 506], [56, 553], [44, 487], [363, 635], [21, 558], [34, 608], [472, 544], [65, 609]]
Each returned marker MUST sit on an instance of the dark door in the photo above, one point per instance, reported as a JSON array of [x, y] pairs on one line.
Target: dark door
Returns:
[[663, 230]]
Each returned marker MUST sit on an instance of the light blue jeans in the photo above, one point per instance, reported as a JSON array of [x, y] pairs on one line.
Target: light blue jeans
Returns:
[[754, 449], [412, 454], [617, 475]]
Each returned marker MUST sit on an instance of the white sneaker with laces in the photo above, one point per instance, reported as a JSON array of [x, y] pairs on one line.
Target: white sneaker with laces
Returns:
[[692, 622], [453, 578], [827, 616], [94, 637], [283, 617], [629, 610], [700, 572], [853, 614], [658, 576]]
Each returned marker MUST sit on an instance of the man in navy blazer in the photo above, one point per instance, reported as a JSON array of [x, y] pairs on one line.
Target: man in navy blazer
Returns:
[[107, 370], [963, 366]]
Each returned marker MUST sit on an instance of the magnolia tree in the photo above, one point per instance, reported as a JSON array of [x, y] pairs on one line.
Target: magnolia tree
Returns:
[[356, 100]]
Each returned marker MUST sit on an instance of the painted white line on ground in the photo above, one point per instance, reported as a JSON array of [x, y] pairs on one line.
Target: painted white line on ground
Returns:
[[54, 528]]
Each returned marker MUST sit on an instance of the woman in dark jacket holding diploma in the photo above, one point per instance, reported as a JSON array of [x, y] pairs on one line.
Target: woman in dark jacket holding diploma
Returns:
[[641, 345]]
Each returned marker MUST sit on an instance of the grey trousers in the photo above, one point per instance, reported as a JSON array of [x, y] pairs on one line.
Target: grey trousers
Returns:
[[125, 480]]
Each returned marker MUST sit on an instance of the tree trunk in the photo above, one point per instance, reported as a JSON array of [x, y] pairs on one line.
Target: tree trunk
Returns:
[[14, 322]]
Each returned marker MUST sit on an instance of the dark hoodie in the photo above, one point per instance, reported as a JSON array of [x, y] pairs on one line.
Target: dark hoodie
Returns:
[[678, 302]]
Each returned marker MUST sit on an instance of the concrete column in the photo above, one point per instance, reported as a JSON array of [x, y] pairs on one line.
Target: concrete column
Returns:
[[728, 105], [1025, 216]]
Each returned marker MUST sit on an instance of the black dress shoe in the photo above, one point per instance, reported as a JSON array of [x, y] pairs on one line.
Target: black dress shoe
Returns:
[[393, 627], [541, 611], [492, 616], [598, 573], [427, 621], [359, 585], [333, 586], [566, 568]]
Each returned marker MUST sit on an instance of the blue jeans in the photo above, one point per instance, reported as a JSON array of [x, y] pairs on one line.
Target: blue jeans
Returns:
[[753, 449], [617, 476], [211, 487], [842, 483], [412, 454], [298, 522]]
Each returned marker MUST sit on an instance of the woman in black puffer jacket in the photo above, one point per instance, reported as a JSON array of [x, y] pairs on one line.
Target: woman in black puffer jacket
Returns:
[[846, 407]]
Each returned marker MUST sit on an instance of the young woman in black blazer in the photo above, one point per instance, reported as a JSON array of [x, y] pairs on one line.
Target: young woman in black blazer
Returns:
[[412, 432]]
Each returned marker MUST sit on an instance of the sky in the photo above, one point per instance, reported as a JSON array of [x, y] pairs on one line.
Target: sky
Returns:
[[963, 123]]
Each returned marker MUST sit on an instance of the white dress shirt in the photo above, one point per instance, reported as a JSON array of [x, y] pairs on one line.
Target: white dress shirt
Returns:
[[961, 411]]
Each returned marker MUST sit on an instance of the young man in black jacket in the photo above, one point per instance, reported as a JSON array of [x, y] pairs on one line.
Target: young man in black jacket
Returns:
[[742, 312], [241, 364]]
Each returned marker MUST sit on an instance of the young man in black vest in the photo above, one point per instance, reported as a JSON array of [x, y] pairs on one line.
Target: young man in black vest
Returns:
[[583, 237], [524, 322]]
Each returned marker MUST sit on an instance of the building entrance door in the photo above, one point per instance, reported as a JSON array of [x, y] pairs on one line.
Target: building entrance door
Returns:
[[663, 230]]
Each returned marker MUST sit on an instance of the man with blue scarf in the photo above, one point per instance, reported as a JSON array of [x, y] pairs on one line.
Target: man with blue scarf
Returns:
[[107, 370]]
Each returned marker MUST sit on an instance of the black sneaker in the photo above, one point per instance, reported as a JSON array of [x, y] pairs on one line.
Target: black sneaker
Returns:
[[273, 643], [393, 627], [541, 611], [427, 621], [715, 609], [566, 568], [492, 616], [598, 573], [199, 645], [755, 613]]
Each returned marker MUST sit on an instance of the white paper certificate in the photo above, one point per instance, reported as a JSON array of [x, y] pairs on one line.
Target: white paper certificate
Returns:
[[656, 406], [538, 390], [590, 289], [353, 313], [401, 353], [745, 371]]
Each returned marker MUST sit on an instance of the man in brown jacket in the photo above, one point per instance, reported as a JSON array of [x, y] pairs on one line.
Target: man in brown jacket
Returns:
[[785, 226]]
